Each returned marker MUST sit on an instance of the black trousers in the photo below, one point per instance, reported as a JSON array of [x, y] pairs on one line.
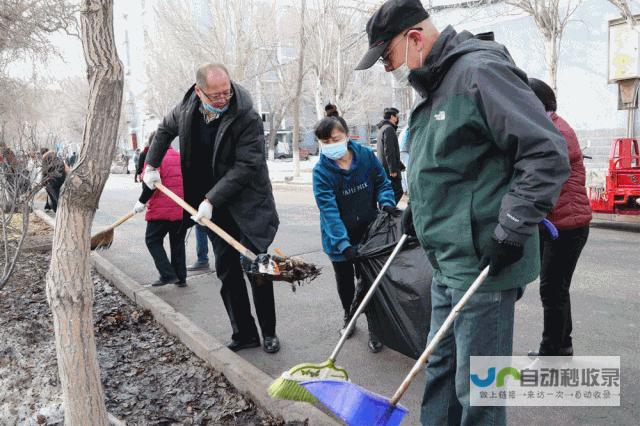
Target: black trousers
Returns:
[[558, 262], [346, 273], [230, 267], [157, 230], [53, 192], [396, 184]]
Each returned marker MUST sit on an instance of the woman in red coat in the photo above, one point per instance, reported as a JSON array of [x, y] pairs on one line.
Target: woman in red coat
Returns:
[[164, 217], [571, 215]]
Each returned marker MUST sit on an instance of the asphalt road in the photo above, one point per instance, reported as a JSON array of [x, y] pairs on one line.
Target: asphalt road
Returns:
[[605, 300]]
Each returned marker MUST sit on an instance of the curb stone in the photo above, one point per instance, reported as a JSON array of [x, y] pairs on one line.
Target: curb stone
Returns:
[[244, 376], [302, 187]]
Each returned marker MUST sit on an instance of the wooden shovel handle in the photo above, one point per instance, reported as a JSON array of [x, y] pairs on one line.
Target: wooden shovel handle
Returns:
[[215, 228], [120, 221]]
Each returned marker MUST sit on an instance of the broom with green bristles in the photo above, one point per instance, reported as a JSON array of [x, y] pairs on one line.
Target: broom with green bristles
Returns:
[[287, 386]]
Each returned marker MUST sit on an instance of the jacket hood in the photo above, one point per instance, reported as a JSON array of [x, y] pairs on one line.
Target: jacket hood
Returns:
[[240, 103], [447, 49], [385, 122]]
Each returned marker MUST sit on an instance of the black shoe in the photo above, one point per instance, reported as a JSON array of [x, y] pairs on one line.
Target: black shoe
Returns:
[[347, 318], [160, 282], [236, 345], [181, 283], [271, 345], [374, 344], [198, 266]]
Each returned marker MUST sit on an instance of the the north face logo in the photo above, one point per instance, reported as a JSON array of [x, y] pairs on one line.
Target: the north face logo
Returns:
[[440, 116]]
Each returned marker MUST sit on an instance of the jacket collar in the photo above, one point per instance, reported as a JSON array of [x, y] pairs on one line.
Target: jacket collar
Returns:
[[447, 49]]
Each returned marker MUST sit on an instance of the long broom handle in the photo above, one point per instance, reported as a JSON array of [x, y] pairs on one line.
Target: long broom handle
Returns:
[[367, 297], [215, 228], [120, 221], [439, 335]]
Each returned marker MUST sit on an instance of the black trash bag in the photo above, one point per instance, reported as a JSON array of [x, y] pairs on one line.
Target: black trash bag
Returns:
[[400, 311]]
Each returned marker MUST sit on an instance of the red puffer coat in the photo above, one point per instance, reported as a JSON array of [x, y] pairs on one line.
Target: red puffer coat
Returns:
[[572, 210], [161, 207]]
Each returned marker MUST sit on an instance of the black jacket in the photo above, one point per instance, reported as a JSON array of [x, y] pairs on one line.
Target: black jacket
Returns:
[[388, 148], [242, 187]]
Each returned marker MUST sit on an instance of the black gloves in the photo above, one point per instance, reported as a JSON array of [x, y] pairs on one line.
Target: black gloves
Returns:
[[351, 253], [392, 210], [407, 222], [501, 254]]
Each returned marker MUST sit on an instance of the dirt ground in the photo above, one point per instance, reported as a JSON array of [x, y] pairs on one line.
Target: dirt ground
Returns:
[[149, 377]]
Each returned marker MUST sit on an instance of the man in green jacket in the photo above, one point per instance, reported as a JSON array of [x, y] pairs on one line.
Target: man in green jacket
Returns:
[[486, 166]]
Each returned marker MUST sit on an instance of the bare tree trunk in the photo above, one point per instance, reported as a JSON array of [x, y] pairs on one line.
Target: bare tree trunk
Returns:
[[551, 59], [317, 97], [273, 135], [296, 101], [69, 285]]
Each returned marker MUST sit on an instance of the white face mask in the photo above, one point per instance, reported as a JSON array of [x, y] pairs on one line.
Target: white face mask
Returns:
[[401, 73]]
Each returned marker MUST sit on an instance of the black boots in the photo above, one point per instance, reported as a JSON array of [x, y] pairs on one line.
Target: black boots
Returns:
[[271, 344], [347, 318], [375, 345]]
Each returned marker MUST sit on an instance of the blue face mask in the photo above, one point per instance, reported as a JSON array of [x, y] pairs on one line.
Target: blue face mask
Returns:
[[214, 110], [334, 151]]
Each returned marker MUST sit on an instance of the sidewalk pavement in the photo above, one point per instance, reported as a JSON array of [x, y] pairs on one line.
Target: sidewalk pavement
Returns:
[[281, 171]]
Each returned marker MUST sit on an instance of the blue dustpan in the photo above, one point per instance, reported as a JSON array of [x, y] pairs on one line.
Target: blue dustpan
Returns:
[[354, 404]]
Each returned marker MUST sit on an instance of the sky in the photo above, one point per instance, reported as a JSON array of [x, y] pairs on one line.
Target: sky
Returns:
[[585, 97]]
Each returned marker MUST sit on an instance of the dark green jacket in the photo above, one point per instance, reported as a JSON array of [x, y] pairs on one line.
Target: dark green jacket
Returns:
[[486, 161]]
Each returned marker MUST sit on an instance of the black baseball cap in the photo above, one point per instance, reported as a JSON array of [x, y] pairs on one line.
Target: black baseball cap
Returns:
[[391, 19]]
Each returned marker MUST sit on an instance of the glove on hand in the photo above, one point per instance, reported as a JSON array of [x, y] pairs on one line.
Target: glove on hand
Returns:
[[151, 177], [205, 210], [407, 222], [351, 253], [139, 207], [392, 210], [501, 254]]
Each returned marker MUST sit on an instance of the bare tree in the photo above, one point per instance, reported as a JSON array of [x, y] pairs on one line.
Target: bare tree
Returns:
[[551, 18], [187, 35], [20, 180], [296, 103], [69, 285], [624, 7], [26, 24]]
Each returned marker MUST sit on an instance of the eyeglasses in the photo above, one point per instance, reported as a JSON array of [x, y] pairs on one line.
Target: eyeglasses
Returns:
[[218, 97], [384, 59]]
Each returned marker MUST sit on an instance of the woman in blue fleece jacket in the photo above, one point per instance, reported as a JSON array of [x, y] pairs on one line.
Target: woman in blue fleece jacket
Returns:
[[349, 184]]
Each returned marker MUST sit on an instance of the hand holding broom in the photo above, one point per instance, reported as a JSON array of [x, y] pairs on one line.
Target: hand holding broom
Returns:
[[273, 267]]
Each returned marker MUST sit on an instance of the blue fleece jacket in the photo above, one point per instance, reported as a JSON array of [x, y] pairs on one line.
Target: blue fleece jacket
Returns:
[[348, 199]]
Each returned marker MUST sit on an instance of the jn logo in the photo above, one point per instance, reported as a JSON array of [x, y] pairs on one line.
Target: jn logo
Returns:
[[491, 377]]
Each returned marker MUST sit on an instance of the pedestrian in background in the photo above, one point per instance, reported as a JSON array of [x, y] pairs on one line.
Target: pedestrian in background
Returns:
[[571, 215], [389, 150], [164, 217], [54, 173], [403, 140], [202, 250], [349, 184], [136, 158], [142, 158]]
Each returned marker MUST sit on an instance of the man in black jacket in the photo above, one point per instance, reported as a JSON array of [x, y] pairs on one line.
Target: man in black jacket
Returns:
[[225, 173], [389, 150]]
